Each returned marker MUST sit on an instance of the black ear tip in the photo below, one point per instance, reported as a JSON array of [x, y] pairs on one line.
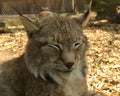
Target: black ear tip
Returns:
[[16, 10]]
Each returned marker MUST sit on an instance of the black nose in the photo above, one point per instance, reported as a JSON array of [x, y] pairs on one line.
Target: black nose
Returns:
[[69, 65]]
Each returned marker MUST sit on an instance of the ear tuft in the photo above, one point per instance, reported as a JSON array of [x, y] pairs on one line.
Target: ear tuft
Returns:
[[83, 19], [28, 24]]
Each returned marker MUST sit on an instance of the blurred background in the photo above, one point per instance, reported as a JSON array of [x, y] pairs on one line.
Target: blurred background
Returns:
[[104, 8]]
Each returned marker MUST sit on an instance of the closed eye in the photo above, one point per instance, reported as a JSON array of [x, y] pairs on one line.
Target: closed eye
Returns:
[[77, 45], [56, 46]]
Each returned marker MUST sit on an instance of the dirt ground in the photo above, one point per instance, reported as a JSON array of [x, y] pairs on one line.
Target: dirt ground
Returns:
[[103, 55]]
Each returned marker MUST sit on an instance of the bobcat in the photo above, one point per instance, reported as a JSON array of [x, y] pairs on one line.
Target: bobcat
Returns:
[[54, 61]]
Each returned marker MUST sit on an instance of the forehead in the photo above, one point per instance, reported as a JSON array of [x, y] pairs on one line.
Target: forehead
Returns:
[[59, 23], [60, 28]]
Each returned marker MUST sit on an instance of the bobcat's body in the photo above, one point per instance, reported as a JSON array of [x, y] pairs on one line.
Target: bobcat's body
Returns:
[[25, 75], [25, 84], [53, 63]]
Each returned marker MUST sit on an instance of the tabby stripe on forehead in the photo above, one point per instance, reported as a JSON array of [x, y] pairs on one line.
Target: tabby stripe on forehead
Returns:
[[58, 37]]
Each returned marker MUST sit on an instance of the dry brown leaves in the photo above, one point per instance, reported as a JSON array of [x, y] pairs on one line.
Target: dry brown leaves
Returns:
[[103, 58]]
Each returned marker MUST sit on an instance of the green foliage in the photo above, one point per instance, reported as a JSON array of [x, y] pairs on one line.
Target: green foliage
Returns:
[[105, 8]]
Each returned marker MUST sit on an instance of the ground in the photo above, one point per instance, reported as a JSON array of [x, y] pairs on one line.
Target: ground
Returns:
[[103, 55]]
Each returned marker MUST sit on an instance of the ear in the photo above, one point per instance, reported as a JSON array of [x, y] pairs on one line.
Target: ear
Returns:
[[29, 25], [83, 19]]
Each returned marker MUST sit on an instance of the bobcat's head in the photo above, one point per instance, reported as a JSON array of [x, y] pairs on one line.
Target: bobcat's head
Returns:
[[56, 46]]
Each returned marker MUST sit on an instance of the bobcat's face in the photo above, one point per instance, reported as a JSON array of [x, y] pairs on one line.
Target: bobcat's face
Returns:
[[58, 47]]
